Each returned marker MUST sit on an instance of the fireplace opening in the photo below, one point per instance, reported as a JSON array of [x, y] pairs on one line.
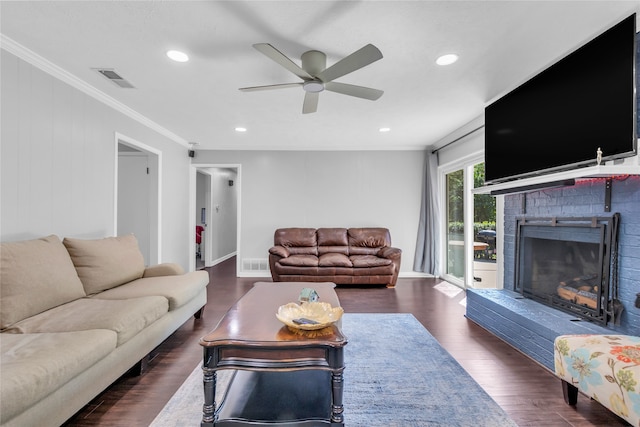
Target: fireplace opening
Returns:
[[569, 264]]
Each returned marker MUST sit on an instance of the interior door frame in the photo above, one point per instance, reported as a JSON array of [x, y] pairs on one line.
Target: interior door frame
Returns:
[[203, 168], [154, 157], [207, 236]]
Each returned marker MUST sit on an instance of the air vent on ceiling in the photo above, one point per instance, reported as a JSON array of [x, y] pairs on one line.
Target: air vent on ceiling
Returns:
[[110, 74]]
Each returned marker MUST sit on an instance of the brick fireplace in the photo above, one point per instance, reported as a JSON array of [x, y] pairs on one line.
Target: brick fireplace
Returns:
[[531, 326], [567, 263]]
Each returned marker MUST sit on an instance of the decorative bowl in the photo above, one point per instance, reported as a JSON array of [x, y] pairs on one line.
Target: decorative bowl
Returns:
[[309, 316]]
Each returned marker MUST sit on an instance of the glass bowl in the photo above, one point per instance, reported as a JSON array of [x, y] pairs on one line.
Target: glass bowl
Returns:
[[309, 316]]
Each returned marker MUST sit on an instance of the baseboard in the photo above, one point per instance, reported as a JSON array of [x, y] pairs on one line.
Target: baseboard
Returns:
[[414, 275], [224, 258]]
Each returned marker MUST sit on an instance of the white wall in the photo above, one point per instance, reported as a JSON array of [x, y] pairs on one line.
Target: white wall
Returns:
[[325, 189], [58, 156]]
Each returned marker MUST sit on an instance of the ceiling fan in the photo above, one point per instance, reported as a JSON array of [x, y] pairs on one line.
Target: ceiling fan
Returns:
[[316, 77]]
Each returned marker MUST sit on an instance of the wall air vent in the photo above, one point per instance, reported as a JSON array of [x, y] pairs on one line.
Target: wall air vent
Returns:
[[114, 77], [255, 264]]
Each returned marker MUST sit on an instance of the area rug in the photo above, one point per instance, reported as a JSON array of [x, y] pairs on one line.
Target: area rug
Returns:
[[396, 375]]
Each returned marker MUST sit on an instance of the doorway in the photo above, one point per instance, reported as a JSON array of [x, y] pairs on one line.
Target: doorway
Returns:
[[203, 214], [137, 204], [216, 209], [470, 230]]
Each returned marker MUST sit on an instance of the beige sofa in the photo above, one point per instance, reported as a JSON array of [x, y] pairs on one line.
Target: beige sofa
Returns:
[[76, 315]]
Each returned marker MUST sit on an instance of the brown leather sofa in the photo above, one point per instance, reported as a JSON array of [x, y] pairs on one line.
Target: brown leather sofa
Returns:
[[361, 256]]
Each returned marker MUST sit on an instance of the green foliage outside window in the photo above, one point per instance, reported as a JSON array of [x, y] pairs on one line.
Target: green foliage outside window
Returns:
[[484, 206], [458, 226]]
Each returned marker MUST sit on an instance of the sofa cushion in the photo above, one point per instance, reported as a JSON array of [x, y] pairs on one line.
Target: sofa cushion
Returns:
[[179, 290], [333, 240], [300, 261], [279, 251], [332, 237], [164, 269], [366, 261], [104, 263], [368, 241], [35, 365], [125, 317], [35, 275], [334, 260], [299, 241]]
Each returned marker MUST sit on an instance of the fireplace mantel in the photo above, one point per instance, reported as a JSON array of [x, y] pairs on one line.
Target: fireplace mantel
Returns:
[[630, 166]]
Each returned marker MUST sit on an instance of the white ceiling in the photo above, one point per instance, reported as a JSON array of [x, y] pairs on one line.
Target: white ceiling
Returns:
[[500, 43]]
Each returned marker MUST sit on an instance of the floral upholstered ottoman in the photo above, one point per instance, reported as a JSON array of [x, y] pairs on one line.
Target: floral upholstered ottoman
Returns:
[[603, 367]]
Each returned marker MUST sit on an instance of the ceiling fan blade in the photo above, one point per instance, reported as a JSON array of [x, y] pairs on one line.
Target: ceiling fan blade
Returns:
[[269, 87], [358, 59], [353, 90], [310, 102], [281, 59]]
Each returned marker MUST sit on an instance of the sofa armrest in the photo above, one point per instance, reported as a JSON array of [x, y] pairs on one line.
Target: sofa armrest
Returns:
[[280, 251], [390, 253], [165, 269]]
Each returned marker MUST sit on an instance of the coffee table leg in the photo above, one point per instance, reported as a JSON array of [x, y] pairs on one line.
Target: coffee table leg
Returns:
[[209, 407], [337, 388]]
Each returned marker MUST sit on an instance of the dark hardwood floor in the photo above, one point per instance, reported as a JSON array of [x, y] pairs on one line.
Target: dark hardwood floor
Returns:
[[529, 393]]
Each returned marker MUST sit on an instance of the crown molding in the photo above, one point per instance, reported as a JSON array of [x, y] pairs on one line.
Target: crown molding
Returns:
[[49, 67]]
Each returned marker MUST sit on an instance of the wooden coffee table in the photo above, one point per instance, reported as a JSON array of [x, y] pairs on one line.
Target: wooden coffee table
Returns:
[[282, 376]]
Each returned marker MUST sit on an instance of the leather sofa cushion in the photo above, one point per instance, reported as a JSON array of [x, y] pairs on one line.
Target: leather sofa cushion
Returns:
[[332, 237], [125, 317], [301, 237], [36, 275], [105, 263], [367, 241], [344, 250], [367, 261], [334, 260], [304, 250], [300, 261], [298, 241], [36, 365], [280, 251], [333, 240]]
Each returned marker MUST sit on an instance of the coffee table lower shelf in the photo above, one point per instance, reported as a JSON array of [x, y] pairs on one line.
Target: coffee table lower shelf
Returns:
[[286, 399]]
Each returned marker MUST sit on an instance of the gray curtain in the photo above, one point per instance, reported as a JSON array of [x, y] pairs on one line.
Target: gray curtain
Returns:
[[428, 241]]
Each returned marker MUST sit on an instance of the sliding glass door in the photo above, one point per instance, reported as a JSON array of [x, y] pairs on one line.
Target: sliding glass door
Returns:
[[455, 224], [470, 249]]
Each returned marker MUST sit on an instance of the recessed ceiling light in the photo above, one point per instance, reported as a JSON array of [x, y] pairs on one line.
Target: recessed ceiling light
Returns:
[[447, 59], [178, 56], [384, 129], [241, 129]]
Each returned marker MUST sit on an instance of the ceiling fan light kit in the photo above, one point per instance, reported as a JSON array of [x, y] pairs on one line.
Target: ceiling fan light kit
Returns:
[[316, 77], [313, 86]]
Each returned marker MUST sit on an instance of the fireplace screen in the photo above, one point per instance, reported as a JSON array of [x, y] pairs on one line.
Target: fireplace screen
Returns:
[[569, 263]]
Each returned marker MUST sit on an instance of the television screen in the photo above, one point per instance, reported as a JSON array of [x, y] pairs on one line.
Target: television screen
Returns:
[[561, 117]]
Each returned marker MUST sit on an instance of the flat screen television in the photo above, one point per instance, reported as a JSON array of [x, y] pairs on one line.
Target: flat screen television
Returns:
[[559, 119]]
